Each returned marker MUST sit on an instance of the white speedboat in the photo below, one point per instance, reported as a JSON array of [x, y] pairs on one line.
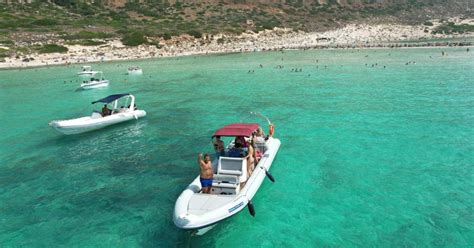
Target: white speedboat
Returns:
[[87, 71], [134, 70], [97, 81], [232, 188], [102, 119]]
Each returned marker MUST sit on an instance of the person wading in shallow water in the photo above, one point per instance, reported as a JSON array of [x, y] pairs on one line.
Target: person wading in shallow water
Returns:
[[206, 172]]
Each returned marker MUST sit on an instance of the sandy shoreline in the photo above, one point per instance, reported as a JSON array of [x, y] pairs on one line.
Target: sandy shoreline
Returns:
[[351, 36]]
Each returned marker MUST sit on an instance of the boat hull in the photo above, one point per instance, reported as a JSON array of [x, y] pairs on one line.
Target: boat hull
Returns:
[[87, 73], [184, 219], [95, 84], [86, 124], [135, 72]]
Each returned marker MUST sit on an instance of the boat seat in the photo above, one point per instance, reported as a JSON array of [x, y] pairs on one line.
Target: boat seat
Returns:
[[96, 115], [233, 166], [225, 181], [225, 184]]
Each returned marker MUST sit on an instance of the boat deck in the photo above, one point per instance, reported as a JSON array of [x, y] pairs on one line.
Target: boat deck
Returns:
[[203, 203]]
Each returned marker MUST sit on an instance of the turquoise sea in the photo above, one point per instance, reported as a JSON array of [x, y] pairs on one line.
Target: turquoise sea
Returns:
[[370, 156]]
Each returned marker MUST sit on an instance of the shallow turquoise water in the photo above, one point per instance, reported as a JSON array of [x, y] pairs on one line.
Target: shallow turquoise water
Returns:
[[369, 156]]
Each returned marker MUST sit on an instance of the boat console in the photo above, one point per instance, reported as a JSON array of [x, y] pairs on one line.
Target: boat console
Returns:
[[230, 173], [225, 185]]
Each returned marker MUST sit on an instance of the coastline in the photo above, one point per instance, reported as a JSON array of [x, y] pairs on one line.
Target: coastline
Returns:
[[351, 36]]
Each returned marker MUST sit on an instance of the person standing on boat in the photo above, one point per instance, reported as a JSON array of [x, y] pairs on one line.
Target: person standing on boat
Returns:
[[206, 172], [250, 159], [219, 147]]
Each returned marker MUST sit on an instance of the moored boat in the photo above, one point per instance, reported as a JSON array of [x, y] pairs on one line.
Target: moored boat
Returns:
[[101, 119], [232, 186], [134, 70], [87, 71], [95, 82]]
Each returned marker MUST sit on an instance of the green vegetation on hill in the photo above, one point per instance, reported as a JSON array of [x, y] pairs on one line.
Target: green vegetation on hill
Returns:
[[3, 53], [52, 48], [451, 28], [86, 42], [88, 35], [134, 39]]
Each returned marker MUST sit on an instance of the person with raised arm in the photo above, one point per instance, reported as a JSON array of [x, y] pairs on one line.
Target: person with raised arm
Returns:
[[206, 173]]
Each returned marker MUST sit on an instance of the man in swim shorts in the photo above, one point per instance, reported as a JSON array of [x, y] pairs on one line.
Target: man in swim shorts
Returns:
[[206, 172]]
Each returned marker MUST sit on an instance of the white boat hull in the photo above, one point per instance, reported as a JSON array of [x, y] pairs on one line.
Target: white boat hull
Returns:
[[87, 73], [231, 204], [86, 124], [135, 72], [95, 84]]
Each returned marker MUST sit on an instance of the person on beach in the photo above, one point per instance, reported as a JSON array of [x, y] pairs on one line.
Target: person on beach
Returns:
[[219, 147], [205, 176], [105, 111]]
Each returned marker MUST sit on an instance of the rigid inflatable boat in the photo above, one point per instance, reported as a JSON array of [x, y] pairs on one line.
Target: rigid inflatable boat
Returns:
[[232, 188], [87, 71], [95, 82], [134, 70], [99, 120]]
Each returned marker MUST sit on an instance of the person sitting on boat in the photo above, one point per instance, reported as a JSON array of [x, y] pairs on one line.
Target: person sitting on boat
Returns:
[[134, 106], [206, 173], [123, 109], [219, 147], [105, 111], [241, 144]]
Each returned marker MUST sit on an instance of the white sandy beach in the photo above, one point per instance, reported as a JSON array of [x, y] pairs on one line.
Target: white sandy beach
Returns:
[[354, 35]]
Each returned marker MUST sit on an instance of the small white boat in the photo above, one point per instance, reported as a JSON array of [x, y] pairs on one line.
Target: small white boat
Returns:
[[100, 119], [134, 70], [87, 71], [232, 188], [95, 82]]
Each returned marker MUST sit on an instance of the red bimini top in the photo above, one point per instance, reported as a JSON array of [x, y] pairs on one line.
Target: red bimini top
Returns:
[[237, 129]]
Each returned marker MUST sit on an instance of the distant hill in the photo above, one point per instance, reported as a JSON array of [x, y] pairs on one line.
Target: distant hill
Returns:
[[84, 21]]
